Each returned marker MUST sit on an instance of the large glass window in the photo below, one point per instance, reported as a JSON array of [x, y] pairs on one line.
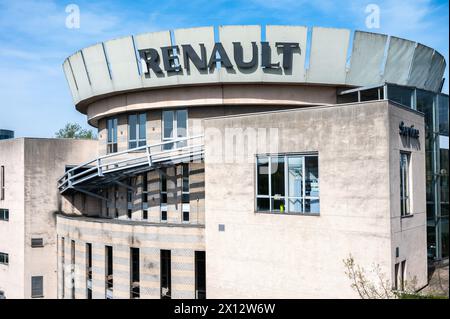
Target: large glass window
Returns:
[[287, 183], [174, 126], [137, 130], [401, 94], [404, 184], [111, 126]]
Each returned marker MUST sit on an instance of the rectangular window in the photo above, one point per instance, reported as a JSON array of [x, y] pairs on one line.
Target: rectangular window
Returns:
[[4, 214], [109, 271], [135, 275], [163, 194], [111, 126], [200, 275], [37, 287], [137, 130], [4, 259], [287, 183], [165, 274], [174, 126], [89, 270], [144, 188], [185, 192], [404, 184], [37, 242], [63, 266], [2, 182], [72, 262], [145, 214]]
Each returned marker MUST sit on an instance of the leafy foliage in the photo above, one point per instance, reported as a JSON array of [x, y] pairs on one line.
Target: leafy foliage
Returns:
[[74, 130]]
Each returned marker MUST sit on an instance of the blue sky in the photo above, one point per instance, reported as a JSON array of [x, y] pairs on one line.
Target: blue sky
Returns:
[[34, 41]]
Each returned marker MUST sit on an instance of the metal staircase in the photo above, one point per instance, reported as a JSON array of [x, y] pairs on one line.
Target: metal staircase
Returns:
[[104, 170]]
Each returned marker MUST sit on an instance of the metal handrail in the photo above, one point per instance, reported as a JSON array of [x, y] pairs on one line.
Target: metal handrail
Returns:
[[101, 167]]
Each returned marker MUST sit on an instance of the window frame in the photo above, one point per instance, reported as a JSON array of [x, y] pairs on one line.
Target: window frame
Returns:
[[286, 197], [37, 242], [170, 146], [163, 205], [5, 259], [138, 140], [405, 201], [33, 295], [112, 135], [2, 182], [185, 192], [4, 214]]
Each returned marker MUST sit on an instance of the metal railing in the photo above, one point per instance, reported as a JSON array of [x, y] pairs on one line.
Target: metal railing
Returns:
[[150, 155]]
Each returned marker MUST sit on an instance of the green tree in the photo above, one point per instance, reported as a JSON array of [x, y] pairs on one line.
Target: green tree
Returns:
[[74, 130]]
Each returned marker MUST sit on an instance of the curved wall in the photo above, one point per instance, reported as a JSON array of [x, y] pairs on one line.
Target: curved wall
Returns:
[[119, 65], [182, 240]]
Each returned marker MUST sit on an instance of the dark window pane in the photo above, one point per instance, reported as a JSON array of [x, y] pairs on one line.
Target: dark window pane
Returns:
[[277, 176], [401, 95], [311, 176], [142, 124], [278, 205], [263, 176], [132, 122], [263, 204], [168, 124], [181, 123], [369, 95]]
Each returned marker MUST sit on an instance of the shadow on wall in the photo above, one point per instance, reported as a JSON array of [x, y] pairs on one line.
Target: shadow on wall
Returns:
[[409, 142]]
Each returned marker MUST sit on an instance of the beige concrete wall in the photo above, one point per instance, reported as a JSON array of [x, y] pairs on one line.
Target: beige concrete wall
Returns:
[[182, 240], [33, 167], [408, 233], [287, 96], [294, 256], [45, 161], [12, 234]]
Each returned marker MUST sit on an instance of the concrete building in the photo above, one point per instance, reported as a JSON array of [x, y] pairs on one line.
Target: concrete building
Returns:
[[29, 168], [226, 168]]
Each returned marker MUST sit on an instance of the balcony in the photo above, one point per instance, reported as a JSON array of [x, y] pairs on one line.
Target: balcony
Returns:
[[107, 169]]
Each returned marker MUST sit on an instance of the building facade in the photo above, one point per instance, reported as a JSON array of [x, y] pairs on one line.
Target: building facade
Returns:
[[231, 164], [29, 168]]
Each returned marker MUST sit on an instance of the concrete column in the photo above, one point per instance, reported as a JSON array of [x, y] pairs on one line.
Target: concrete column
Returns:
[[183, 273], [150, 273], [80, 270], [98, 271]]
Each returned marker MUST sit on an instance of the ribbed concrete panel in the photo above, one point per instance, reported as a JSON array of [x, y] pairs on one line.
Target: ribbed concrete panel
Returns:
[[195, 37], [97, 68], [246, 35], [123, 62], [328, 55], [406, 64], [275, 33], [366, 59], [80, 75], [420, 68], [71, 81], [399, 59], [436, 73], [155, 40]]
